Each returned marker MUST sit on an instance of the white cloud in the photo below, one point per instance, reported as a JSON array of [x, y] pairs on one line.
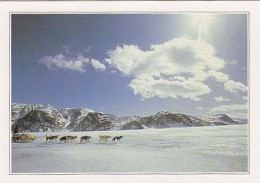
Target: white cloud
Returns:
[[233, 86], [97, 65], [77, 64], [221, 99], [219, 76], [176, 56], [149, 87], [200, 108], [172, 66], [62, 62], [178, 78], [174, 69], [232, 107]]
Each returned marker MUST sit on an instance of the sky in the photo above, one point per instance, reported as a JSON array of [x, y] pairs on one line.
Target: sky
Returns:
[[132, 64]]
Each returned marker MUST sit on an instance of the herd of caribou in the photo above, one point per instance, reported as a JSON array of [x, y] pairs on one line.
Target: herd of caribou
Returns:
[[66, 139], [83, 139]]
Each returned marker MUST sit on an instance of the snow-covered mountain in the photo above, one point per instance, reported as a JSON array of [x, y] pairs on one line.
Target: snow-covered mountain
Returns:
[[35, 117], [38, 118], [219, 119], [20, 110], [74, 115], [95, 121], [168, 119]]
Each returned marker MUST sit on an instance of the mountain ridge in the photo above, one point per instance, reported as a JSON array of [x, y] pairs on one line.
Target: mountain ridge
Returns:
[[36, 117]]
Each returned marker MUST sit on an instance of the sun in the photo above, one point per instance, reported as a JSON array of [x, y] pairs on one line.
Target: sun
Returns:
[[202, 19]]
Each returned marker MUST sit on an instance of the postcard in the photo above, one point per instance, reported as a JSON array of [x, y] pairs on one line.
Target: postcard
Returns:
[[96, 93]]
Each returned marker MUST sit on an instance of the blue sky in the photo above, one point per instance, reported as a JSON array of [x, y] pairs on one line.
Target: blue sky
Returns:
[[132, 64]]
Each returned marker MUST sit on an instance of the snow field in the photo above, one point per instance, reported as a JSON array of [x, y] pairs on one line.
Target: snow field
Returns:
[[171, 150]]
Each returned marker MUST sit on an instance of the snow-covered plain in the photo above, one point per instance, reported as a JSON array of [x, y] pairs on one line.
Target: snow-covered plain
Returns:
[[171, 150]]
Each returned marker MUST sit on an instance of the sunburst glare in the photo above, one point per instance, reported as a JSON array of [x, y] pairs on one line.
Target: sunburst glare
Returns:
[[202, 21]]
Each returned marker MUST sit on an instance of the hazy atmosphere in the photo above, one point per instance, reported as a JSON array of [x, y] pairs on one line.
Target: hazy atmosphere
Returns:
[[132, 64]]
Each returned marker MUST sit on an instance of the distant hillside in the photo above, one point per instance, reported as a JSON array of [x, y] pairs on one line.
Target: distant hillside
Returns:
[[35, 118]]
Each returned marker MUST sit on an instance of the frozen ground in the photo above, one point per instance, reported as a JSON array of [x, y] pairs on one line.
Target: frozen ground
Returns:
[[179, 150]]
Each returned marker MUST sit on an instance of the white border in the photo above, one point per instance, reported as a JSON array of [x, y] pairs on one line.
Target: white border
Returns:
[[124, 173], [68, 7]]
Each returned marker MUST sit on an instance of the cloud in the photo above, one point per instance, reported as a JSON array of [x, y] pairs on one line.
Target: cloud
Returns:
[[61, 62], [219, 76], [182, 55], [232, 107], [174, 69], [163, 88], [233, 86], [97, 65], [200, 108], [221, 99], [178, 78], [77, 64]]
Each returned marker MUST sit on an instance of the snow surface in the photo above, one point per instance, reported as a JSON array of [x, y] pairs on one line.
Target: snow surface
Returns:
[[171, 150]]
